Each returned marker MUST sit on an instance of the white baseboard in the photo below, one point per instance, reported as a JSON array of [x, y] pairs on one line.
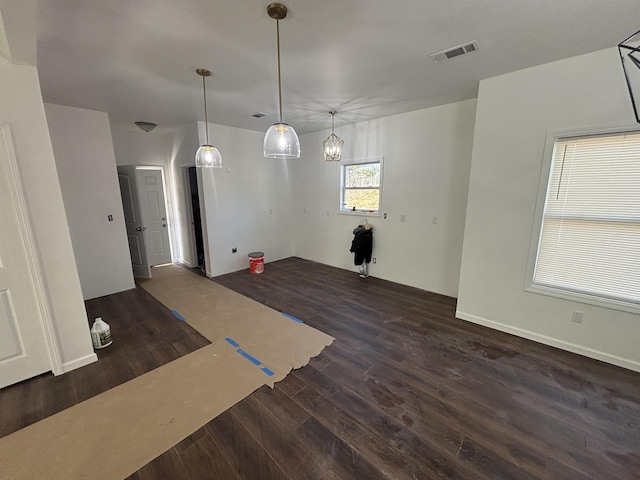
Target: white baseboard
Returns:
[[553, 342], [77, 363]]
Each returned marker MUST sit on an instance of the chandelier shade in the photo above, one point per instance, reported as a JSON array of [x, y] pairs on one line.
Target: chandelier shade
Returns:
[[332, 145], [207, 156], [281, 140]]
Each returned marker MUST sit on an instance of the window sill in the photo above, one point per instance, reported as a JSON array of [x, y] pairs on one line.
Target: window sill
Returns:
[[359, 213], [603, 302]]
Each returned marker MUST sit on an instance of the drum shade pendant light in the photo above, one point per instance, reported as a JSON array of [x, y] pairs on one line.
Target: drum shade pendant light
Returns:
[[207, 155], [332, 145], [281, 140]]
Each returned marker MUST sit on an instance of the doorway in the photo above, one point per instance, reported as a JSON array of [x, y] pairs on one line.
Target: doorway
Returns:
[[145, 212], [196, 219]]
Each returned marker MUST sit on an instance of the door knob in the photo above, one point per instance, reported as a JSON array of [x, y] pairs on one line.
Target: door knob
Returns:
[[164, 224]]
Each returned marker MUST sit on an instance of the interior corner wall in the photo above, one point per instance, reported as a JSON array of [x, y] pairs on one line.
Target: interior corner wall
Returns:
[[515, 111], [246, 204], [427, 155], [23, 110], [86, 167]]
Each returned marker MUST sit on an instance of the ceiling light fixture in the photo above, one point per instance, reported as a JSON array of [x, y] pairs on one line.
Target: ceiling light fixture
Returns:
[[146, 126], [332, 145], [207, 155], [281, 140]]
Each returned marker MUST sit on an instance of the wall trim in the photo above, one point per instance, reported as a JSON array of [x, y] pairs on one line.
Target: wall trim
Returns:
[[553, 342], [77, 363], [33, 257]]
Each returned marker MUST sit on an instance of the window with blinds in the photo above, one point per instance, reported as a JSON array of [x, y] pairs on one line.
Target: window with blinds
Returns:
[[590, 237]]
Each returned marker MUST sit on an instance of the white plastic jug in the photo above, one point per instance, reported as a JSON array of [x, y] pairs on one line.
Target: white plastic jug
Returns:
[[100, 334]]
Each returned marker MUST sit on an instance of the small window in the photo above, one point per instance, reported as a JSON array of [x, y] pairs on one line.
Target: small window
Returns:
[[361, 184], [589, 241]]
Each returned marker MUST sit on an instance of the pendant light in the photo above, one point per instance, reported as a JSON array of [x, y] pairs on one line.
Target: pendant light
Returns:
[[207, 155], [281, 140], [332, 145]]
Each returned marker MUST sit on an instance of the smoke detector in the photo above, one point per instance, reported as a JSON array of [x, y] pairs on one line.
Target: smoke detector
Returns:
[[454, 52]]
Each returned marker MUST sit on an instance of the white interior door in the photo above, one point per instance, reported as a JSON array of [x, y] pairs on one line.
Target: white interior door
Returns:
[[23, 347], [133, 222], [154, 215]]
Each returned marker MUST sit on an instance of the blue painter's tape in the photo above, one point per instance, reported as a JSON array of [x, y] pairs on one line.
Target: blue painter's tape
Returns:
[[234, 344], [253, 360], [292, 318], [267, 371], [180, 317]]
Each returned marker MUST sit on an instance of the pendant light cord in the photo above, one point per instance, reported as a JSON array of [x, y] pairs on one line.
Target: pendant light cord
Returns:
[[279, 80], [206, 121]]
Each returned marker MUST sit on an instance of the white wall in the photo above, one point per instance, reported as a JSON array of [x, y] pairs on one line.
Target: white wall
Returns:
[[23, 110], [514, 113], [87, 171], [426, 169], [247, 203]]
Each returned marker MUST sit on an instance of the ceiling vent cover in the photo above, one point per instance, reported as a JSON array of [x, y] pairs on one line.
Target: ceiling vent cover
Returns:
[[454, 52]]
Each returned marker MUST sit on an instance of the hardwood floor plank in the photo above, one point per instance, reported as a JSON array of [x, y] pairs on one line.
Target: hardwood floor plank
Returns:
[[276, 438], [168, 465], [200, 458], [281, 406], [248, 458], [341, 457]]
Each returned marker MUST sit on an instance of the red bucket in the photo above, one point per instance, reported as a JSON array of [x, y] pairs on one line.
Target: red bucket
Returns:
[[256, 262]]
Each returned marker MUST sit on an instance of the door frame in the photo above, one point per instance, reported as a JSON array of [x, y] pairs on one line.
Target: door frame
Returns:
[[170, 230], [186, 185], [203, 216], [33, 258]]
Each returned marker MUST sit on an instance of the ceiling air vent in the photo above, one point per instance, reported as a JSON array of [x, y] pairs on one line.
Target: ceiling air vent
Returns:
[[259, 115], [454, 52]]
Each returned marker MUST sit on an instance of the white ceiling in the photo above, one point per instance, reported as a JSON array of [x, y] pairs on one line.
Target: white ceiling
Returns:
[[136, 59]]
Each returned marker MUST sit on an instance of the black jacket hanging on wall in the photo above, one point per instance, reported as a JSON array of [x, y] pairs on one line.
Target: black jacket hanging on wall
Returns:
[[362, 244]]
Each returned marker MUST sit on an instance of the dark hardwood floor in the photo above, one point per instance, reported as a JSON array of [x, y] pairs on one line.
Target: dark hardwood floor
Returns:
[[145, 334], [406, 391], [409, 392]]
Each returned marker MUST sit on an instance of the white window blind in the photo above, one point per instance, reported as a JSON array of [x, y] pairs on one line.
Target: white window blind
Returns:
[[590, 237]]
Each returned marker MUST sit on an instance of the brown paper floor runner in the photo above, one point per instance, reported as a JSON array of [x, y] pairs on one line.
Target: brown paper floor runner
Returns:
[[112, 435]]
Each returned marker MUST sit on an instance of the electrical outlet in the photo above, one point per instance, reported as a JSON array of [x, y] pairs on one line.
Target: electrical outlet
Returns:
[[234, 250], [373, 259], [577, 316]]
